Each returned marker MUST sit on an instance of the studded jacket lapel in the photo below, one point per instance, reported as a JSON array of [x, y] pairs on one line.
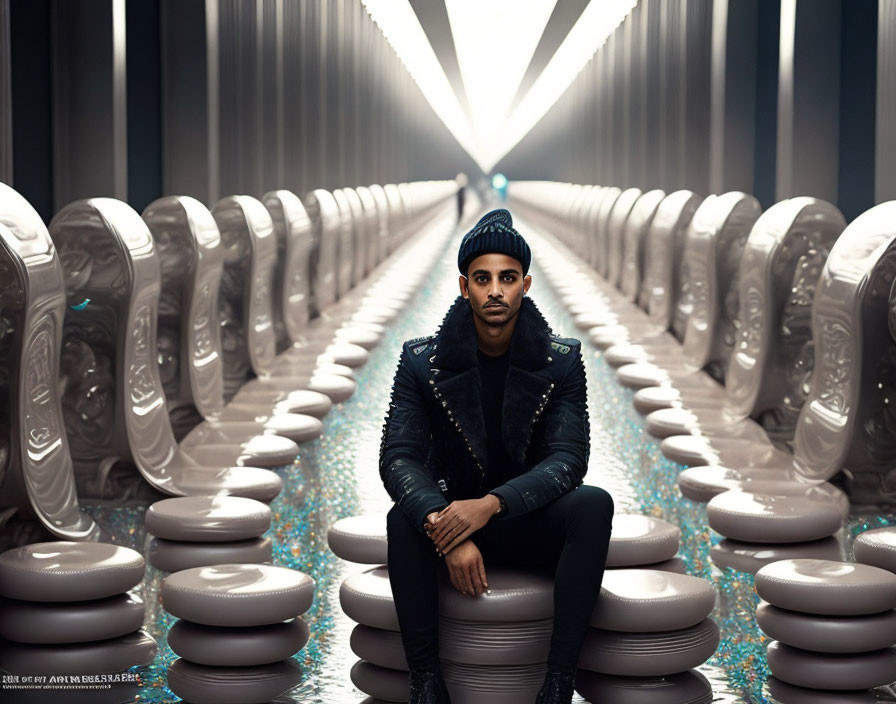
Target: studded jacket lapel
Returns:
[[455, 381]]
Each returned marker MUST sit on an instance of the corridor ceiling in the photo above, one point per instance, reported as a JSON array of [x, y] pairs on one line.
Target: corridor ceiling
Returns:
[[492, 68]]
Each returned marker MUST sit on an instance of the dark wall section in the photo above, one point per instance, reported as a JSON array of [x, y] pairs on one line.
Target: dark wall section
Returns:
[[858, 104], [766, 142], [32, 127], [144, 103]]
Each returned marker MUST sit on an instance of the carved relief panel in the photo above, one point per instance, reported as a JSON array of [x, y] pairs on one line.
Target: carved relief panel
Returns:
[[770, 369], [292, 285], [381, 242], [663, 281], [713, 250], [358, 247], [846, 422], [633, 237], [371, 228], [326, 229], [246, 302], [397, 216], [36, 473], [190, 255], [345, 247], [114, 402], [615, 230], [601, 232]]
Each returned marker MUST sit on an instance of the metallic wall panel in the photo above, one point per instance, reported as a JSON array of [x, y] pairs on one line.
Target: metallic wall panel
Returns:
[[620, 107], [313, 132], [808, 99], [269, 66], [291, 117], [189, 111], [672, 97], [653, 113], [697, 31], [638, 95], [885, 130], [239, 98], [733, 95], [89, 100]]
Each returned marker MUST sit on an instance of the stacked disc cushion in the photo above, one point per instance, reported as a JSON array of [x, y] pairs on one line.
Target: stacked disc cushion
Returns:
[[647, 623], [775, 516], [494, 647], [832, 623], [877, 547], [66, 609], [644, 541], [195, 531], [239, 627]]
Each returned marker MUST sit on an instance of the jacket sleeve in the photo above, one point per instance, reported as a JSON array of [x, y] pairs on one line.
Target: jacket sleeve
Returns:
[[564, 435], [405, 444]]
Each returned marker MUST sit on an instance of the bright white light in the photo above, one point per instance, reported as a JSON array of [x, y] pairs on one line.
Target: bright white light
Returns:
[[400, 26], [495, 41], [594, 26]]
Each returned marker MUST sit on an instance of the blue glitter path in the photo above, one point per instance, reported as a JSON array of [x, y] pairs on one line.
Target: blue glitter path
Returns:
[[336, 476]]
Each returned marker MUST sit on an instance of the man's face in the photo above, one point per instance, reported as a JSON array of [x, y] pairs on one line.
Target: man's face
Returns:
[[494, 285]]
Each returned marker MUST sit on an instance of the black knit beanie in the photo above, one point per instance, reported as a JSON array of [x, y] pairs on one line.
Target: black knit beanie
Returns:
[[494, 233]]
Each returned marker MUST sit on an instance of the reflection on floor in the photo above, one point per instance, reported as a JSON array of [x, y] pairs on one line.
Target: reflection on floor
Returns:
[[337, 476]]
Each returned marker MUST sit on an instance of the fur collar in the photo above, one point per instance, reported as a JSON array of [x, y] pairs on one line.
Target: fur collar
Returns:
[[455, 373], [456, 345]]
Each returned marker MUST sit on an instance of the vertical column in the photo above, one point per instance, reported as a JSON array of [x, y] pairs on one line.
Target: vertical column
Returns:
[[653, 110], [89, 100], [733, 95], [858, 88], [240, 97], [5, 96], [331, 118], [620, 105], [292, 87], [638, 54], [144, 103], [270, 50], [672, 97], [612, 129], [697, 35], [808, 99], [312, 92], [31, 103], [766, 140], [189, 67], [601, 141], [885, 129]]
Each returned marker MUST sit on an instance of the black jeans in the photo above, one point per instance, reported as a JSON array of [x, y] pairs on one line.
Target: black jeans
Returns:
[[568, 538]]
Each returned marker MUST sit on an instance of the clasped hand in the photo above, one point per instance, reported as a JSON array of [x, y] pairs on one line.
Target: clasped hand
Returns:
[[458, 521], [450, 530]]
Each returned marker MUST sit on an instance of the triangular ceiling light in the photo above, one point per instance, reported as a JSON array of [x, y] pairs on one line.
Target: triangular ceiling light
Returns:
[[494, 41]]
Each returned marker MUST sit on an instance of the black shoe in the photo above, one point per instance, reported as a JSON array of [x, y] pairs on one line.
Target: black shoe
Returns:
[[428, 687], [557, 689]]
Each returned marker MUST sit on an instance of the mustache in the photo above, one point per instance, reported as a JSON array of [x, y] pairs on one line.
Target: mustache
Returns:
[[495, 304]]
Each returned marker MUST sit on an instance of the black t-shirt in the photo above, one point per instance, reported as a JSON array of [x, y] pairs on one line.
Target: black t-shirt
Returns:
[[493, 375]]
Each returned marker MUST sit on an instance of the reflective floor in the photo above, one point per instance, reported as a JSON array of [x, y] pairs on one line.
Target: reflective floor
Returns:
[[337, 476]]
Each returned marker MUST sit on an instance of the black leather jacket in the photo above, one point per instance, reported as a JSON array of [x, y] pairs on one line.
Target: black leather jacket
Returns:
[[434, 447]]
